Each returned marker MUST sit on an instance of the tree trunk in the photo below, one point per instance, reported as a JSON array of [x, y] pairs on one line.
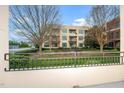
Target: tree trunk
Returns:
[[101, 48], [50, 45], [50, 48], [40, 48]]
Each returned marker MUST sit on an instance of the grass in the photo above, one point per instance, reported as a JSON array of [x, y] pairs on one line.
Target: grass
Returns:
[[77, 49], [26, 61], [22, 61]]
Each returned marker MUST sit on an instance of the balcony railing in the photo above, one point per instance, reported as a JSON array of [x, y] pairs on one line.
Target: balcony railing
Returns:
[[55, 41], [72, 40], [35, 61], [72, 34]]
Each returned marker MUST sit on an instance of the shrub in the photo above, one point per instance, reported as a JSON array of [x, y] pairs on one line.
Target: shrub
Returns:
[[18, 61]]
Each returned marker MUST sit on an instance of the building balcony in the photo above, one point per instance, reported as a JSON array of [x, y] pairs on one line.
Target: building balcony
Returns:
[[57, 41], [114, 39], [72, 34], [72, 40]]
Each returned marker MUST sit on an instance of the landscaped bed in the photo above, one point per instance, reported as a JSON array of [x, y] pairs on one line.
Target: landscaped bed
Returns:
[[29, 61]]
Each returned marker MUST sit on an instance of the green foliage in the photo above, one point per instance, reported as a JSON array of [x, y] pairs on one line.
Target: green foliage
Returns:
[[13, 42], [90, 42], [23, 44], [18, 61], [22, 61], [69, 49]]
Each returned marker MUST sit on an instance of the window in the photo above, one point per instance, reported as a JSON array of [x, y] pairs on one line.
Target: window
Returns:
[[55, 38], [64, 31], [46, 44], [64, 38], [73, 44], [64, 45], [80, 38], [81, 31], [73, 38], [111, 36], [117, 35], [72, 31], [80, 44], [54, 45], [117, 25]]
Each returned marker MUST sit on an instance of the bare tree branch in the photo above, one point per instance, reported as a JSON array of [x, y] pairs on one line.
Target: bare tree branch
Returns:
[[36, 23], [98, 20]]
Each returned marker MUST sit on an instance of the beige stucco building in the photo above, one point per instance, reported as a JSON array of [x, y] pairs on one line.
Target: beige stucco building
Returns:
[[67, 37]]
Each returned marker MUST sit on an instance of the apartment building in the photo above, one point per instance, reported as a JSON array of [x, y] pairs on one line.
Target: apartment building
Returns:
[[114, 33], [67, 37], [74, 36]]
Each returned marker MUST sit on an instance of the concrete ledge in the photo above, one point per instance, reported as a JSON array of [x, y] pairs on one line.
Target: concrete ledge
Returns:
[[63, 78]]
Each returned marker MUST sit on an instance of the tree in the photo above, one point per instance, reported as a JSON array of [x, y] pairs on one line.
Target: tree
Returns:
[[54, 35], [99, 16], [23, 44], [90, 40], [13, 42], [34, 23]]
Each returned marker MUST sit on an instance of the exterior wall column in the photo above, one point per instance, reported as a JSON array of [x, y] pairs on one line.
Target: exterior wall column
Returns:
[[77, 31], [4, 46], [122, 30], [114, 44], [60, 38], [68, 40]]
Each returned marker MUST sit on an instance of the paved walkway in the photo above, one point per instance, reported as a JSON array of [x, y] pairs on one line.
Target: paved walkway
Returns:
[[19, 49], [119, 84]]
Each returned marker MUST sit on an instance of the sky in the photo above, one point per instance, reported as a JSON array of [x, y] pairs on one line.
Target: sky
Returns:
[[74, 14], [70, 15]]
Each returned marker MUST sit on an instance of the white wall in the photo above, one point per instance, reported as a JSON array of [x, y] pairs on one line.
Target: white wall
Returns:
[[62, 78], [122, 30], [3, 35], [3, 40], [122, 27], [55, 77]]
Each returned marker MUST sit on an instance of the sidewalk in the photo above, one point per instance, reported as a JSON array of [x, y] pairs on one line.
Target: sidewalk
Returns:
[[119, 84]]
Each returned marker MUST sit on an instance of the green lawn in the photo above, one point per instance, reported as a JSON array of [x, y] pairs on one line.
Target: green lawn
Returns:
[[26, 61]]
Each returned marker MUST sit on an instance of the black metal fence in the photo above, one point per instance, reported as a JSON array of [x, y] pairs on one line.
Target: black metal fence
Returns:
[[36, 61]]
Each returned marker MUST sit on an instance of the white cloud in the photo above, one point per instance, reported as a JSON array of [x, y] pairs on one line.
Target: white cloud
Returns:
[[79, 22], [16, 35], [12, 35], [16, 31]]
